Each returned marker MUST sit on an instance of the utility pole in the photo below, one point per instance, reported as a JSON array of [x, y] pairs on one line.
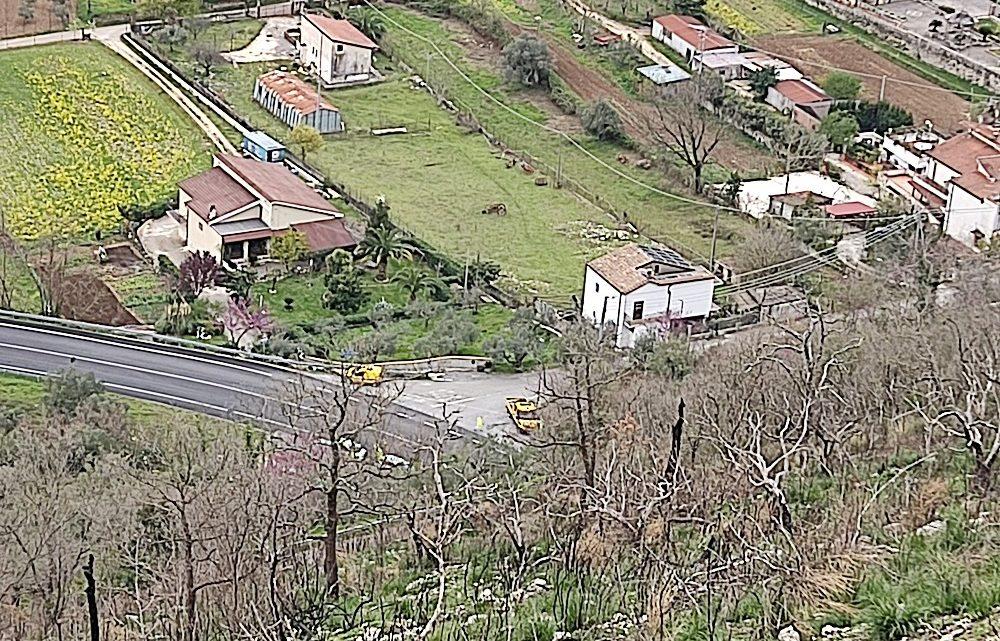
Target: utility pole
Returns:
[[559, 170], [715, 237], [881, 91]]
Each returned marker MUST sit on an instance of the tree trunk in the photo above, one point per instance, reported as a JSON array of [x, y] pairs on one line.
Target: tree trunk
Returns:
[[331, 565], [91, 592]]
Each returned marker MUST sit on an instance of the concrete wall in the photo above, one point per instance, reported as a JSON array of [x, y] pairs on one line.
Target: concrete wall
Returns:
[[600, 300], [201, 236], [966, 214]]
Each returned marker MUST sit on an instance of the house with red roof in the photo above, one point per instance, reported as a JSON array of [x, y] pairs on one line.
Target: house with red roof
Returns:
[[690, 37], [335, 49], [294, 101], [234, 209], [967, 166], [802, 98]]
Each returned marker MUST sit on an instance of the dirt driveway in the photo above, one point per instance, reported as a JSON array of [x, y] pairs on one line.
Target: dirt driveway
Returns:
[[812, 53]]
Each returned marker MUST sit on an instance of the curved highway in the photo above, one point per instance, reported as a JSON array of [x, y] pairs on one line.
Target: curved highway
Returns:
[[216, 385]]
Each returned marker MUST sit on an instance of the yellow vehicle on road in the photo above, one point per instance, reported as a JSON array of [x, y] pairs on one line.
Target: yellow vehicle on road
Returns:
[[364, 374], [524, 413]]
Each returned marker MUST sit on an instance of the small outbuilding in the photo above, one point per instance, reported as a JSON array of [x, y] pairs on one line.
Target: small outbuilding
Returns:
[[263, 147]]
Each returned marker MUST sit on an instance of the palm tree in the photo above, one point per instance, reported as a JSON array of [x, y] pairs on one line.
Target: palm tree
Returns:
[[369, 22], [382, 244], [415, 281]]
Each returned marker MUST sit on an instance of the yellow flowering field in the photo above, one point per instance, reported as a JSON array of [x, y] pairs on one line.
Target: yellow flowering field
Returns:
[[83, 132]]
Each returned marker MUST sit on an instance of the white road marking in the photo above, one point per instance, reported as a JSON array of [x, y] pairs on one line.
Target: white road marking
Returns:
[[136, 368], [142, 348]]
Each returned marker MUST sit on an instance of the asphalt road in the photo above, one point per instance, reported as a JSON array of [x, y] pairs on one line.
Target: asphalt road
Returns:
[[217, 386], [244, 390]]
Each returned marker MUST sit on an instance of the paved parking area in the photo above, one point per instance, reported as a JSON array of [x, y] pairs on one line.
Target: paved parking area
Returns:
[[469, 397], [270, 43], [164, 235]]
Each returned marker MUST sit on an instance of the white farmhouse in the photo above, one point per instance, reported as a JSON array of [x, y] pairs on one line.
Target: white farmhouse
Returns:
[[640, 288], [234, 209], [336, 49], [689, 37], [967, 166]]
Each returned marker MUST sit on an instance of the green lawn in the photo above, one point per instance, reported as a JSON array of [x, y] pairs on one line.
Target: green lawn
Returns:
[[754, 17], [685, 226], [87, 9], [438, 178], [84, 132], [306, 292]]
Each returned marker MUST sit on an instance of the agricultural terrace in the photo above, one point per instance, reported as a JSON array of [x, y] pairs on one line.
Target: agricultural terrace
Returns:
[[781, 26], [83, 133]]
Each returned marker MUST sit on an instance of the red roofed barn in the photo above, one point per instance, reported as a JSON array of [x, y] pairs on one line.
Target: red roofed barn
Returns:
[[338, 50], [234, 209], [688, 36], [293, 101]]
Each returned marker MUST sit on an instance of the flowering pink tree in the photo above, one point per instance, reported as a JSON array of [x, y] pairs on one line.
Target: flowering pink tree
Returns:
[[245, 325]]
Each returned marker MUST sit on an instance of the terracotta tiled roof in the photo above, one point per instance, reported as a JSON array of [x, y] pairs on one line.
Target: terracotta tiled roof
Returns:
[[692, 31], [340, 31], [847, 210], [801, 93], [215, 187], [294, 91], [275, 183], [326, 234], [622, 266], [964, 154]]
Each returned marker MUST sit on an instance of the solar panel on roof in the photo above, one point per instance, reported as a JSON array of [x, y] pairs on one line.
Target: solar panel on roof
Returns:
[[666, 256]]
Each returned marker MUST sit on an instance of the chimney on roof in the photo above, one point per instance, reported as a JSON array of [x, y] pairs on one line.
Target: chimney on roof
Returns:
[[212, 212]]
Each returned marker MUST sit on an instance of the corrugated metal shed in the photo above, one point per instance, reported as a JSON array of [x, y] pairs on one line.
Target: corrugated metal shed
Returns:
[[664, 75]]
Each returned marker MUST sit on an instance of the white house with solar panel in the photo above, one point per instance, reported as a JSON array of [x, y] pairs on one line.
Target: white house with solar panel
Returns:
[[645, 288]]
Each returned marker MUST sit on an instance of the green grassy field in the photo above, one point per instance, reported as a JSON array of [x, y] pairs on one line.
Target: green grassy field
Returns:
[[82, 133], [439, 177], [755, 17], [680, 224], [87, 9], [18, 290]]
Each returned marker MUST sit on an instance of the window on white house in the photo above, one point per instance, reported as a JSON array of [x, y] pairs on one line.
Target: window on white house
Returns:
[[340, 48], [637, 310], [201, 227], [597, 287]]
